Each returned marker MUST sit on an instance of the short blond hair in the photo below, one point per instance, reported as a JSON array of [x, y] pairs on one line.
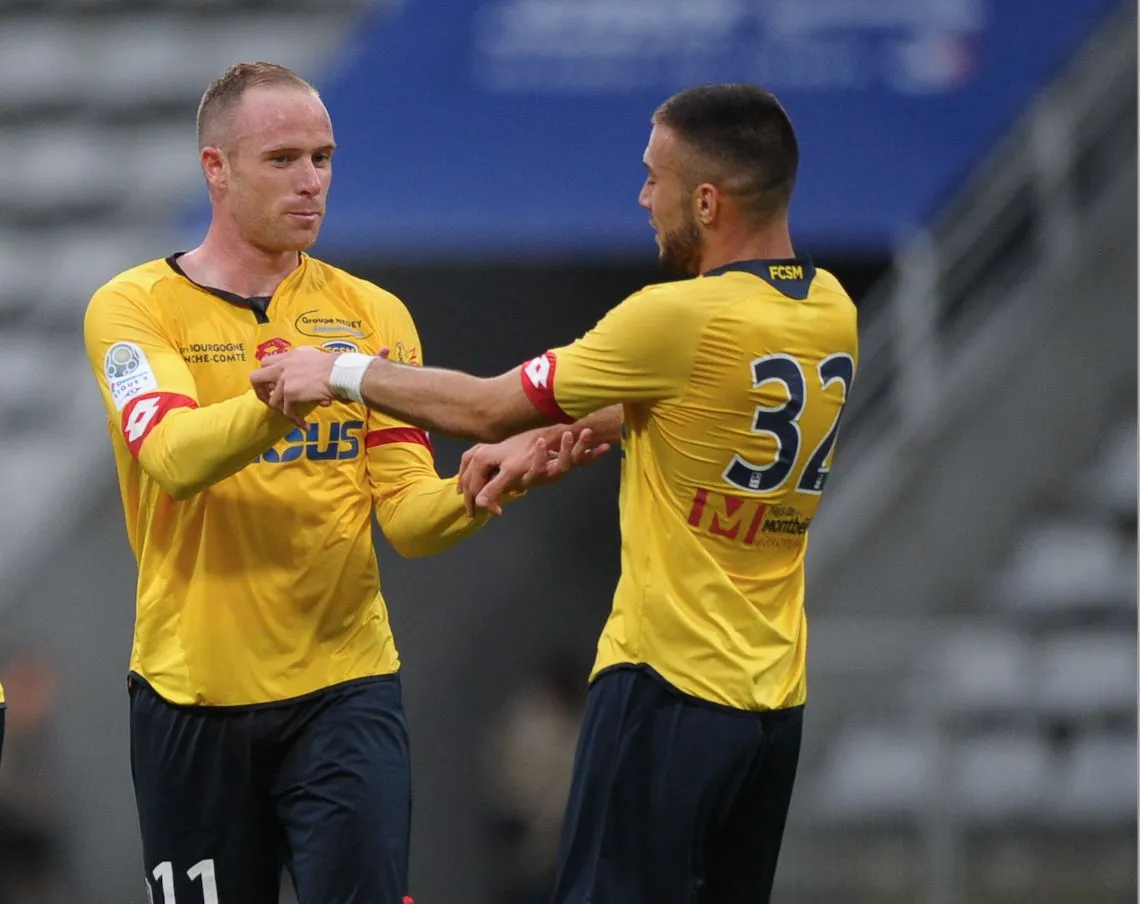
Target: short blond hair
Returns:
[[224, 92]]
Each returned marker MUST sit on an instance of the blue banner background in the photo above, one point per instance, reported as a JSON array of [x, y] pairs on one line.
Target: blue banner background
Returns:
[[514, 128]]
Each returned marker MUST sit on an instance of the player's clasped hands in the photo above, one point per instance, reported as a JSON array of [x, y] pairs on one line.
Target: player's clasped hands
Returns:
[[486, 472], [295, 382]]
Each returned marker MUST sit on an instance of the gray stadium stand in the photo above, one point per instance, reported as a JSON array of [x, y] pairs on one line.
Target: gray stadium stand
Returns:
[[994, 494]]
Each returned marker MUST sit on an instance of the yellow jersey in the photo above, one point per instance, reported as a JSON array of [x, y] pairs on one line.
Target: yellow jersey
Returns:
[[732, 386], [258, 579]]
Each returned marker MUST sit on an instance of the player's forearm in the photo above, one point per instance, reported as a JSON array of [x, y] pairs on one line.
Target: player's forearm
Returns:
[[448, 401], [426, 517], [196, 447], [604, 424]]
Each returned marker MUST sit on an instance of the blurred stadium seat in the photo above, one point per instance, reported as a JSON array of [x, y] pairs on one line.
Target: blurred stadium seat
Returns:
[[1096, 784], [1001, 778], [1088, 676], [1069, 564], [983, 670], [874, 774]]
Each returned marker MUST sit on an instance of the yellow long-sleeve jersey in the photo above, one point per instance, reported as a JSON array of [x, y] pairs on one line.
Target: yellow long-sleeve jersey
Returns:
[[258, 580]]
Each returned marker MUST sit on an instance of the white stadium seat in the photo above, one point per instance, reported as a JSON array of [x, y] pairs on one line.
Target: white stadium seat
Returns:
[[1001, 779], [1068, 567], [983, 670], [874, 774]]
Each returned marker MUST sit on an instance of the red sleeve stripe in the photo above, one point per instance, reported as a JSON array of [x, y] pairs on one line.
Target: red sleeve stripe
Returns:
[[538, 384], [397, 435], [143, 414]]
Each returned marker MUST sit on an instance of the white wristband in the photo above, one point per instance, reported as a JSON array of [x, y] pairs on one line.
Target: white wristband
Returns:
[[347, 375]]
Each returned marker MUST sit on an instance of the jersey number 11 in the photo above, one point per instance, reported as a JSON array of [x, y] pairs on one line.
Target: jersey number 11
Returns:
[[203, 869]]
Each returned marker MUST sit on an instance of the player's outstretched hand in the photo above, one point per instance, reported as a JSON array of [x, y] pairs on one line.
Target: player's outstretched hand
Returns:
[[486, 472], [295, 381]]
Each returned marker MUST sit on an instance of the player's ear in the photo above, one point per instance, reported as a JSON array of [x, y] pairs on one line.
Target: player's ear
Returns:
[[706, 203], [214, 167]]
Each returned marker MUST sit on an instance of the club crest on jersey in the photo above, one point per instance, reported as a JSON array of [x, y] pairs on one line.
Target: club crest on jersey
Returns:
[[339, 345], [274, 346]]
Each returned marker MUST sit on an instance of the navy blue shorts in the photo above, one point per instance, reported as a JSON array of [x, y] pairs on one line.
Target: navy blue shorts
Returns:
[[229, 797], [674, 800]]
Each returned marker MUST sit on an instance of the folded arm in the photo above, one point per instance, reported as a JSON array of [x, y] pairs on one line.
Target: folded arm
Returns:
[[186, 449], [152, 402]]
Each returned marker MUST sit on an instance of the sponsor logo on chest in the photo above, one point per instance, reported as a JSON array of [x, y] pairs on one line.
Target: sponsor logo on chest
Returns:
[[318, 325], [213, 352]]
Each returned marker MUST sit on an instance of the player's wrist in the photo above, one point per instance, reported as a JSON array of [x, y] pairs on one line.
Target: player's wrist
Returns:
[[347, 377]]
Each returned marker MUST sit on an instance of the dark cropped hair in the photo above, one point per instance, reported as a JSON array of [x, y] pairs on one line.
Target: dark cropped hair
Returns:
[[740, 140]]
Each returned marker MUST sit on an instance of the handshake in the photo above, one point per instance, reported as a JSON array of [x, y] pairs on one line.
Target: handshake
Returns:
[[298, 381]]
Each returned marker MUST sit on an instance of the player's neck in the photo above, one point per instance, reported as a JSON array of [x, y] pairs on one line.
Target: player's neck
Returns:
[[229, 263], [769, 243]]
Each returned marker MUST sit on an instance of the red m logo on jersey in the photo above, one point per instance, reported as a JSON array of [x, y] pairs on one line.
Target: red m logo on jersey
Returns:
[[723, 516]]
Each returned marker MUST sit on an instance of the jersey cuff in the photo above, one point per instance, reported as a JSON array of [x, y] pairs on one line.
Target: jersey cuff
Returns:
[[398, 435]]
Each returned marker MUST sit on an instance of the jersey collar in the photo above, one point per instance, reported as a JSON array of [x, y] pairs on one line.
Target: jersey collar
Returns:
[[790, 276], [259, 304]]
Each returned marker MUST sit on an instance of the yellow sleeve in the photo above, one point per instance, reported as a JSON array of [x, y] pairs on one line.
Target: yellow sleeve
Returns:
[[419, 512], [641, 351], [150, 395]]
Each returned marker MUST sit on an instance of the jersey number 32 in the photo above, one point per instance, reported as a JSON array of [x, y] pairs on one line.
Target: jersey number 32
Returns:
[[781, 422]]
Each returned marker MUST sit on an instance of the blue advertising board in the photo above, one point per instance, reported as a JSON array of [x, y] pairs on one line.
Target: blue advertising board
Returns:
[[515, 128]]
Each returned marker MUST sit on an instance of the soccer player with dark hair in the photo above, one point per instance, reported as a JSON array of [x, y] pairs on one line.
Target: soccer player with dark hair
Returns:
[[267, 728], [726, 392]]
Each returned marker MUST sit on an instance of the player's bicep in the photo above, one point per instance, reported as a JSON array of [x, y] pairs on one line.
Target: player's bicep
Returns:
[[141, 375]]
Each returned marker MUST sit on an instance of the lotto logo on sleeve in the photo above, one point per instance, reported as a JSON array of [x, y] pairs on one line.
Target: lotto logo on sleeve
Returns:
[[538, 384], [538, 371], [128, 373], [144, 413]]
